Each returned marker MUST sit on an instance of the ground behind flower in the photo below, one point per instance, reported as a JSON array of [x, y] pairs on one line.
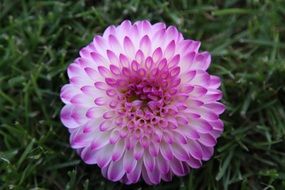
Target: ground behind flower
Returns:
[[38, 39]]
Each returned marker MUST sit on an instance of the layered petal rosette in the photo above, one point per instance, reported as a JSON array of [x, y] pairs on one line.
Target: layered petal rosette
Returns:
[[141, 105]]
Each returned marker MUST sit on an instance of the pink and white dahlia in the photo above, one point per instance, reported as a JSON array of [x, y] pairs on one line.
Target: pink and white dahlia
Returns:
[[140, 103]]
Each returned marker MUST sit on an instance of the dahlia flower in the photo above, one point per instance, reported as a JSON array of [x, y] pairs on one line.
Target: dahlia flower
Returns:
[[141, 105]]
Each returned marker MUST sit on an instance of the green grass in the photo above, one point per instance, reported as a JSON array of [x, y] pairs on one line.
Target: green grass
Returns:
[[38, 39]]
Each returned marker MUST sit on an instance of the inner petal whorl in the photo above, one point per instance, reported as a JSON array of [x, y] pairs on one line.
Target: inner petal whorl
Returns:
[[145, 98]]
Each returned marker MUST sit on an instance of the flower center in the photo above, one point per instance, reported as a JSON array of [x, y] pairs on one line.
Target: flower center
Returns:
[[146, 104], [143, 102], [144, 92]]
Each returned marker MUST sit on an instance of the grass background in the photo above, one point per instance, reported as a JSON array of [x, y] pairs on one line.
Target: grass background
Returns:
[[38, 39]]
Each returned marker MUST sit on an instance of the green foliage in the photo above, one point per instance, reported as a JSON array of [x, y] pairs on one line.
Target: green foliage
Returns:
[[38, 39]]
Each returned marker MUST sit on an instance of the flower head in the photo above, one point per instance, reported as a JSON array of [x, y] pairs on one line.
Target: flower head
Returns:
[[140, 103]]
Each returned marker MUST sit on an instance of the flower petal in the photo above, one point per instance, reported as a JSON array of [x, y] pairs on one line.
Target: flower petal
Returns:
[[162, 164], [134, 176], [176, 167], [119, 150], [149, 161], [145, 45], [115, 170], [129, 163], [166, 151], [179, 152], [67, 118]]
